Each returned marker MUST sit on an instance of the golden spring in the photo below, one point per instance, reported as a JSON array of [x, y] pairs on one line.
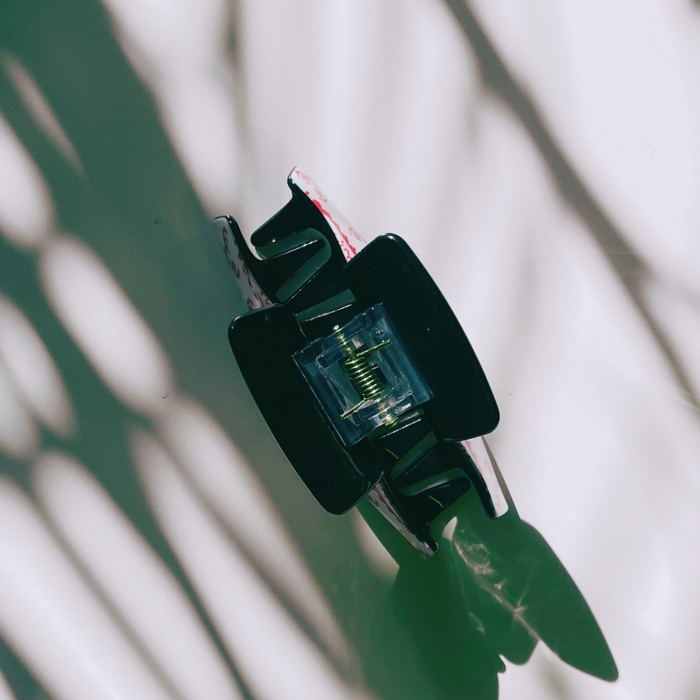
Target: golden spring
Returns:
[[360, 372], [363, 377]]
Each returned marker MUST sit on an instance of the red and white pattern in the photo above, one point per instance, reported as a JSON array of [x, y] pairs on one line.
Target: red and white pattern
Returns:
[[349, 239], [252, 292]]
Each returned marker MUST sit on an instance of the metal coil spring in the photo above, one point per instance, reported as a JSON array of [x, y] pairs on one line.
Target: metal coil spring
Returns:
[[363, 376]]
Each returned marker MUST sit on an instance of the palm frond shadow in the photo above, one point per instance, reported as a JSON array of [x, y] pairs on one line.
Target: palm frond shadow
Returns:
[[22, 682], [129, 175], [99, 415], [631, 270]]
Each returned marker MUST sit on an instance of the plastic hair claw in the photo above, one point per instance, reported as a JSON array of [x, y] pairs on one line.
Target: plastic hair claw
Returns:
[[360, 367]]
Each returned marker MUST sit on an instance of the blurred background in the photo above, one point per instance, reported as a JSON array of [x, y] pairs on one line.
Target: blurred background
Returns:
[[541, 159]]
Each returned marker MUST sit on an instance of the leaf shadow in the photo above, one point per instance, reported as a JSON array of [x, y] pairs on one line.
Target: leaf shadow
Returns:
[[133, 204], [22, 682], [631, 270]]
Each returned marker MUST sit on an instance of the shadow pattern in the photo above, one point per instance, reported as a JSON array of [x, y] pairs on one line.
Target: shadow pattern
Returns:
[[495, 589], [630, 269]]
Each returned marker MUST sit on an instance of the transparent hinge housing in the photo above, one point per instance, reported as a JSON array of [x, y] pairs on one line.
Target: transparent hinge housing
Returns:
[[362, 375]]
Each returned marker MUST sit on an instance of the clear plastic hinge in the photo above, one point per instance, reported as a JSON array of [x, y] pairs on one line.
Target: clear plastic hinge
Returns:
[[362, 375]]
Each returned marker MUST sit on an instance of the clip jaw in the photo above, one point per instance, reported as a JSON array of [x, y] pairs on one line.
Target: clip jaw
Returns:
[[359, 366]]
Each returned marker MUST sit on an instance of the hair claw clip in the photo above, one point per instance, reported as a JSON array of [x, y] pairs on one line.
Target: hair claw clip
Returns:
[[360, 367]]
